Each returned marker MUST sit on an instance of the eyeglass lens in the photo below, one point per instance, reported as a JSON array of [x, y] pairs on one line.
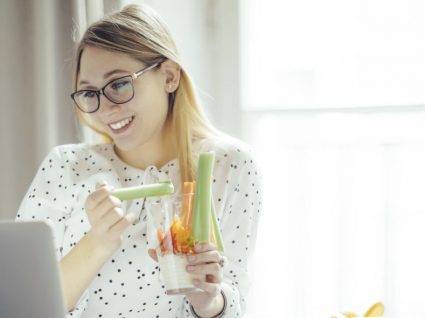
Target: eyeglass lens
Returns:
[[118, 91]]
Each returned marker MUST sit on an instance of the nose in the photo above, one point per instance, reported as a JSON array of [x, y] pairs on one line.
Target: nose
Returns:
[[108, 106]]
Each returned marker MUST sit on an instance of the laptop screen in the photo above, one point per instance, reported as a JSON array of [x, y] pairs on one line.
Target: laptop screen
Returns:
[[30, 285]]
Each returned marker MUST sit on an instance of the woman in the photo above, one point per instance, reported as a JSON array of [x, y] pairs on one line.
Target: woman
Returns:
[[131, 88]]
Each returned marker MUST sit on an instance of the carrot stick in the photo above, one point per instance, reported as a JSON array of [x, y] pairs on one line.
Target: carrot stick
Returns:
[[187, 204]]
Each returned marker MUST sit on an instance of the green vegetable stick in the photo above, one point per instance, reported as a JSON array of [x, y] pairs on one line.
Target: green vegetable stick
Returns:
[[143, 191], [216, 229], [202, 206], [195, 218]]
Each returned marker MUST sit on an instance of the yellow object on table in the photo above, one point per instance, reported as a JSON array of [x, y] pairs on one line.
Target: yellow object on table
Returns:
[[376, 310]]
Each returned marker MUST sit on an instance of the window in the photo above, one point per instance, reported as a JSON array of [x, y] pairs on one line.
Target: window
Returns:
[[320, 54], [334, 103]]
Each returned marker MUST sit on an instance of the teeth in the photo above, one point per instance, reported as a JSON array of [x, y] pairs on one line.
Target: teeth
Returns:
[[121, 123]]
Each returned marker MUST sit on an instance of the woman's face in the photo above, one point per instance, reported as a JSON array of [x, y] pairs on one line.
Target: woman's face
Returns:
[[137, 122]]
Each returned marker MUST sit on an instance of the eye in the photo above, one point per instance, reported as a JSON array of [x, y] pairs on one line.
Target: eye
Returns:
[[88, 94], [120, 84]]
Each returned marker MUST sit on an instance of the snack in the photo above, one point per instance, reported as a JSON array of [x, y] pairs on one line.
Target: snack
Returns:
[[144, 191], [180, 225]]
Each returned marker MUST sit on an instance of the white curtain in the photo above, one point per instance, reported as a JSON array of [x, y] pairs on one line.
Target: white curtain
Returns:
[[36, 60], [35, 110], [344, 213]]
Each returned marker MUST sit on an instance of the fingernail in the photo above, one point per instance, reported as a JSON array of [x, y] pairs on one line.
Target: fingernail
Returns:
[[191, 258], [198, 247], [196, 282], [190, 268]]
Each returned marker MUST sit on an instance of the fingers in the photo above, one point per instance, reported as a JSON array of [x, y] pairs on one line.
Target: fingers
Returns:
[[110, 217], [212, 269], [101, 192], [207, 257], [99, 202], [107, 219], [205, 247], [210, 288], [122, 224], [207, 262], [105, 213], [108, 204]]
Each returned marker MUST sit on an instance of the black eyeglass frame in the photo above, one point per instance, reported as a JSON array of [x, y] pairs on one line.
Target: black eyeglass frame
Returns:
[[101, 91]]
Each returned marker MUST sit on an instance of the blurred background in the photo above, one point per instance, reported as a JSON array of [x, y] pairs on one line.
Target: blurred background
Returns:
[[331, 96]]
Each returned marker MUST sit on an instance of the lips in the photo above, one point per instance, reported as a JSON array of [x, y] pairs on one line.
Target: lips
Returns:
[[121, 125]]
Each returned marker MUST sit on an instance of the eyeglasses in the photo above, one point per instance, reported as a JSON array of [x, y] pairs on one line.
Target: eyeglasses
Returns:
[[118, 91]]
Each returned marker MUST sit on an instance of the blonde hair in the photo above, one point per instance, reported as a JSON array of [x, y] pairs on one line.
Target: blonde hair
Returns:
[[138, 31]]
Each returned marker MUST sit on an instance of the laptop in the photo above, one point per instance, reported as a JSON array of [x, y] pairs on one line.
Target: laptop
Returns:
[[30, 285]]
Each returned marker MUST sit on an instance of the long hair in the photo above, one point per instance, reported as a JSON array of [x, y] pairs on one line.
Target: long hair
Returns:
[[139, 32]]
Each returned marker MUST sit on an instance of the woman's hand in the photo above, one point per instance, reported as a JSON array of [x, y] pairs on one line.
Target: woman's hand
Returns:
[[84, 261], [207, 261], [107, 218]]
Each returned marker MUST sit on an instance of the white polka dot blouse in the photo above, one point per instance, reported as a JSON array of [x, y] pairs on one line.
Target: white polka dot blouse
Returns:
[[129, 285]]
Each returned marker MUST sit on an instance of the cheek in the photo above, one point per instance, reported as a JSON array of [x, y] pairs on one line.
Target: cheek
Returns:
[[97, 122], [151, 106], [153, 118]]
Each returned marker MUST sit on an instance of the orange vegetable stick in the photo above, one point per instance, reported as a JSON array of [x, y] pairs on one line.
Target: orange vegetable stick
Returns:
[[187, 204]]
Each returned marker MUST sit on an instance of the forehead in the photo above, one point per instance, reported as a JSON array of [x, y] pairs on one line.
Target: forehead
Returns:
[[95, 62]]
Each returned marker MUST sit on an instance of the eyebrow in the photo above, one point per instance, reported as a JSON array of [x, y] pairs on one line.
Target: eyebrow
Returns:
[[105, 76]]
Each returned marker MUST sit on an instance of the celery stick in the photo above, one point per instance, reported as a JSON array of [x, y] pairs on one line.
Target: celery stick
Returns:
[[201, 226], [216, 229], [196, 226], [143, 191]]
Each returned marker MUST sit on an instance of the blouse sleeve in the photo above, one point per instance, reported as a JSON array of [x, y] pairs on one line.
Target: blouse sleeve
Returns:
[[238, 225], [49, 199]]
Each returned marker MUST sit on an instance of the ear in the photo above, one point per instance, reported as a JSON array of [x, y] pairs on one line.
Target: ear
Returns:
[[171, 71]]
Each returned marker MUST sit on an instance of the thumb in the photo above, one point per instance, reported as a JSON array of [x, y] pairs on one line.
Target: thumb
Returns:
[[100, 184], [132, 217]]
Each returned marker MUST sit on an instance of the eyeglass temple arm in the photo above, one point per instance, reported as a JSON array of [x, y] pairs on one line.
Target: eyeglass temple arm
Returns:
[[137, 74]]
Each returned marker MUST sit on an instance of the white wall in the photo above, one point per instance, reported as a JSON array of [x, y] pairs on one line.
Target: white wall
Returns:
[[206, 33]]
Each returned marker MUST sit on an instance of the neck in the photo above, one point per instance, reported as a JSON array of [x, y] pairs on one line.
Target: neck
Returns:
[[157, 152]]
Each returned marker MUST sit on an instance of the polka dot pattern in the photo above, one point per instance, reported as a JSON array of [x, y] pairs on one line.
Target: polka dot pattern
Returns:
[[128, 285]]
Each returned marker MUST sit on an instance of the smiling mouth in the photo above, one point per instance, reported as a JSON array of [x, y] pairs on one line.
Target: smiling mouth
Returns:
[[119, 125]]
